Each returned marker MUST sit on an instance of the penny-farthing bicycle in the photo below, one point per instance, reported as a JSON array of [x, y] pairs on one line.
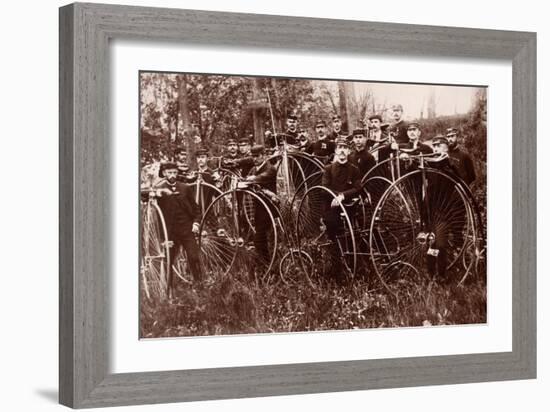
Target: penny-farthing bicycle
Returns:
[[421, 226], [155, 251]]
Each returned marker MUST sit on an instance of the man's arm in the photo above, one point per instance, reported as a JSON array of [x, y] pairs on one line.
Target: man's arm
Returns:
[[267, 175]]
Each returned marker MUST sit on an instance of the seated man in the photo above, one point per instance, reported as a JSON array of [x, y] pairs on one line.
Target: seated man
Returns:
[[181, 215], [344, 179]]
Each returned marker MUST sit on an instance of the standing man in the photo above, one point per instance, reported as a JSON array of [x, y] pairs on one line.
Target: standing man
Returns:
[[378, 135], [414, 145], [244, 147], [182, 164], [398, 127], [361, 157], [336, 128], [323, 148], [263, 174], [181, 215], [292, 129], [290, 135], [304, 145], [459, 158], [344, 179], [232, 149]]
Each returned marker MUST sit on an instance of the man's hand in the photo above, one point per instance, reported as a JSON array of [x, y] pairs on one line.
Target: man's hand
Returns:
[[164, 191], [404, 156], [196, 228], [337, 200]]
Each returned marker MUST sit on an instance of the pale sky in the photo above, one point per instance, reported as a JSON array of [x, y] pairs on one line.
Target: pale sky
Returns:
[[414, 97]]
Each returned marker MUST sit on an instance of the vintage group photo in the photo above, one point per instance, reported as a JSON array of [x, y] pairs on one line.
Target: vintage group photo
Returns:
[[280, 205]]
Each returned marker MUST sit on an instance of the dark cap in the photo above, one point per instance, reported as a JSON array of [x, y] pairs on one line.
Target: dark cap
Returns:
[[180, 149], [244, 140], [320, 122], [257, 149], [230, 141], [202, 151], [375, 116], [397, 106], [292, 116], [452, 131], [336, 117], [358, 132], [440, 139], [413, 125], [341, 141], [166, 166]]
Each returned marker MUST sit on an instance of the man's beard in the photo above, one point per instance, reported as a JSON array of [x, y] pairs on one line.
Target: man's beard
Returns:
[[171, 180]]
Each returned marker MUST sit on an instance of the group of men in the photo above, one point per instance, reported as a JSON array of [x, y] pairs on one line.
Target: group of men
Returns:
[[347, 158]]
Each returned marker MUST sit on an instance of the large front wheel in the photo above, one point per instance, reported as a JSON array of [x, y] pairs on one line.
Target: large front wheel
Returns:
[[419, 230], [155, 253], [324, 234]]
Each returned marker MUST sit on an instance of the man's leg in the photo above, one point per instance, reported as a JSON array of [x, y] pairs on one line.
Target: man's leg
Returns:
[[261, 223], [192, 251]]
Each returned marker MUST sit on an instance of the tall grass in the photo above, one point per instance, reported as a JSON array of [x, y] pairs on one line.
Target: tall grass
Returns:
[[233, 306]]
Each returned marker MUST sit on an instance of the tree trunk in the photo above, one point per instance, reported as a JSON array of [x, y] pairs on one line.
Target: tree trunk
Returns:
[[344, 112], [185, 134], [257, 113]]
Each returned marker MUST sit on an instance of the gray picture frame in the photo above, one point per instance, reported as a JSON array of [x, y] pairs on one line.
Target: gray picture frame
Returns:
[[84, 358]]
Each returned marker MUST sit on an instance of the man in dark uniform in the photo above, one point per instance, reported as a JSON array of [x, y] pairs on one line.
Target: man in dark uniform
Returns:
[[459, 158], [361, 156], [231, 155], [181, 215], [323, 148], [378, 138], [344, 179], [304, 145], [263, 174], [443, 193], [207, 175], [290, 135], [184, 171], [244, 147], [414, 146], [336, 128], [398, 127]]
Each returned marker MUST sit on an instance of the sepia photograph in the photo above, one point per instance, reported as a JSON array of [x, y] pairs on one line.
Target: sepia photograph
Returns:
[[282, 205]]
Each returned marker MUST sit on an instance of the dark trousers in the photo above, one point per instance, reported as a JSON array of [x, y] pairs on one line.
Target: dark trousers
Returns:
[[189, 244], [262, 225]]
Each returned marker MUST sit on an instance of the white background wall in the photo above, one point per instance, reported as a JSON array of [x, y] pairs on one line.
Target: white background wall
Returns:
[[29, 224]]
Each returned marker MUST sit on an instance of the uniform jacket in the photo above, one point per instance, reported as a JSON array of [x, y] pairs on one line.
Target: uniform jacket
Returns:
[[363, 160], [400, 130], [323, 148], [179, 209], [464, 165], [342, 178], [266, 176]]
